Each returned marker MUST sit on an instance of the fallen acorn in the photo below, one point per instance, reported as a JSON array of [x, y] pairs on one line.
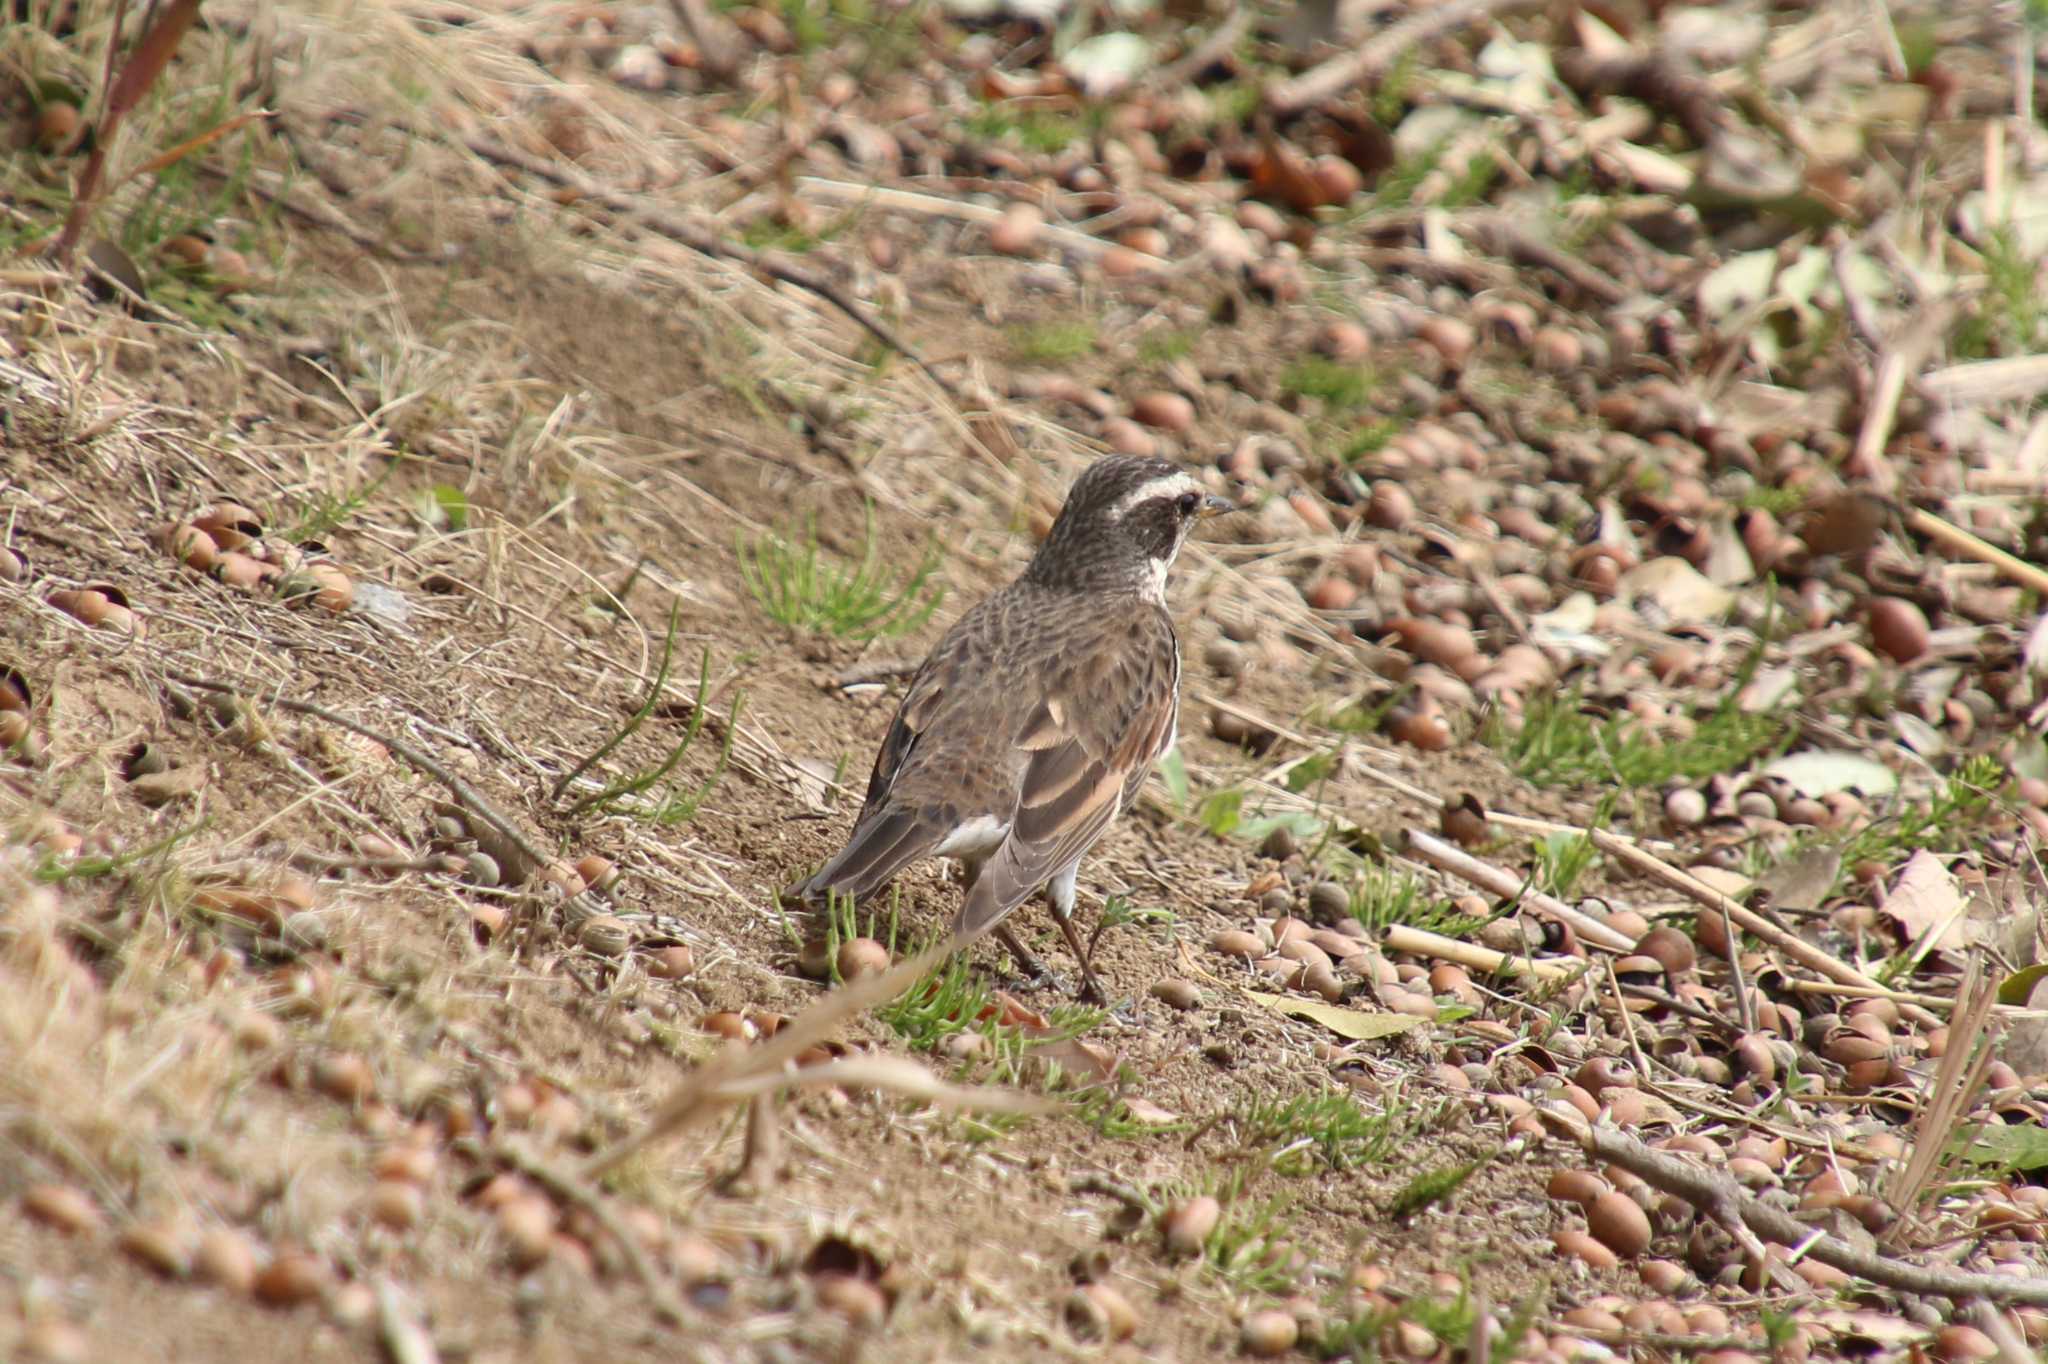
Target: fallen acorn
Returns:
[[1269, 1333], [189, 545], [62, 1207], [1098, 1312], [292, 1277], [1185, 1227], [1620, 1224], [860, 957]]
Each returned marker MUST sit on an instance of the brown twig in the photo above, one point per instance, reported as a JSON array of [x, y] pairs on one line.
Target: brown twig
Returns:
[[1495, 881], [579, 1192], [1720, 1197], [152, 53], [1373, 57], [703, 242], [1212, 49], [720, 44], [1651, 78], [465, 794], [1962, 542], [1403, 938], [1801, 951]]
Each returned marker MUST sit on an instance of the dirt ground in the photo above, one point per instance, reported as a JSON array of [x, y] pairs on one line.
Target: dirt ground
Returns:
[[297, 1003]]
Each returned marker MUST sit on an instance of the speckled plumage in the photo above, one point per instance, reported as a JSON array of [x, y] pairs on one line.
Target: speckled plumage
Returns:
[[1039, 714]]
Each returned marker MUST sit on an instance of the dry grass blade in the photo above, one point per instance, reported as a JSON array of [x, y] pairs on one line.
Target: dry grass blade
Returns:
[[898, 1075], [1956, 1082], [153, 52], [1314, 86], [740, 1072], [192, 144], [1790, 944]]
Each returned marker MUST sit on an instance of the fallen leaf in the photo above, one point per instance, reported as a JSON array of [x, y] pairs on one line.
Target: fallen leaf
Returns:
[[2018, 988], [1355, 1024], [1149, 1113], [161, 788], [1804, 881], [1818, 772], [1926, 900], [1681, 593]]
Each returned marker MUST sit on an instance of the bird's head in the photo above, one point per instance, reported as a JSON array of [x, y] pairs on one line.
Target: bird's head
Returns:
[[1125, 519]]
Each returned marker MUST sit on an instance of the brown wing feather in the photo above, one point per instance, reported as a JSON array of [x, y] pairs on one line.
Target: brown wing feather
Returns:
[[1090, 744]]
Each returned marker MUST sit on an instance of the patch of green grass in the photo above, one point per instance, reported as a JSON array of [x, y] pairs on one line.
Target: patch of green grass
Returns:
[[1036, 130], [771, 233], [799, 586], [1779, 502], [1372, 436], [1561, 744], [1344, 387], [1434, 1186], [51, 870], [1249, 1247], [1327, 1130], [1945, 823], [1164, 347], [1561, 859], [1470, 184], [1053, 343], [1384, 896], [1390, 95], [2010, 314], [324, 513], [678, 803], [1232, 104]]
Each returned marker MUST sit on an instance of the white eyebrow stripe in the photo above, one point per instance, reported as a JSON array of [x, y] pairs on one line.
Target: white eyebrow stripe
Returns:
[[1166, 485]]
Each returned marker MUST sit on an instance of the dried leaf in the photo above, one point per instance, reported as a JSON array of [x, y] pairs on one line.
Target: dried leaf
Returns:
[[1926, 900], [1681, 594], [1804, 881], [1355, 1024], [1818, 772]]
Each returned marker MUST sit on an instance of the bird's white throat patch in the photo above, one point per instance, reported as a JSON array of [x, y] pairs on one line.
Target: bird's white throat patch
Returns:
[[1153, 588], [1166, 485]]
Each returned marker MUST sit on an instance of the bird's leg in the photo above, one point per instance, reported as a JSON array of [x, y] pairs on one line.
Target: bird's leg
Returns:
[[1029, 964], [1060, 892]]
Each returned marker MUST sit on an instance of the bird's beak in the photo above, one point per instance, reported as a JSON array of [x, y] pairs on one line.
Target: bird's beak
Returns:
[[1216, 506]]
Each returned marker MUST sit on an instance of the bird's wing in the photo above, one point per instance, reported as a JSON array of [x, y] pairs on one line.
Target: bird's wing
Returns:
[[889, 835], [1103, 717]]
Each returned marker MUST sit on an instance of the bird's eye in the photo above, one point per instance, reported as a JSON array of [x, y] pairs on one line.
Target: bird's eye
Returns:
[[1188, 502]]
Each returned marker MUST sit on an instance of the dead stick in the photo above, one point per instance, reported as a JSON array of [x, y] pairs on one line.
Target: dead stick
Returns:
[[704, 243], [1801, 951], [719, 41], [1402, 938], [462, 791], [571, 1189], [1717, 1193], [1968, 545], [1373, 57], [1496, 881]]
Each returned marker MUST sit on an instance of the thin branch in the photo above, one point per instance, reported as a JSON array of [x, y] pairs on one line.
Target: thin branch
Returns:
[[1723, 1197], [704, 242], [1379, 53]]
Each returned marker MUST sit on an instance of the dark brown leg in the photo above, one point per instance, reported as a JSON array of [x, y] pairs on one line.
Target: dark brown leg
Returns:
[[1091, 988], [1026, 962]]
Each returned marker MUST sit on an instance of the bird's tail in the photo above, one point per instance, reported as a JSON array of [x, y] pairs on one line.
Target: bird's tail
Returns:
[[998, 890], [877, 850]]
